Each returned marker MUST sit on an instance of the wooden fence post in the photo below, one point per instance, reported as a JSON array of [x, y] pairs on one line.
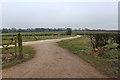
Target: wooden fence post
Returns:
[[15, 47], [20, 45]]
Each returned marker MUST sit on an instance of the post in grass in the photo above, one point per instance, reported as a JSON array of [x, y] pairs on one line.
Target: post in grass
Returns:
[[20, 45]]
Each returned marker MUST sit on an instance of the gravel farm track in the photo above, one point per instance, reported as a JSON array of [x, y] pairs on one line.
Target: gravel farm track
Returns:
[[52, 61]]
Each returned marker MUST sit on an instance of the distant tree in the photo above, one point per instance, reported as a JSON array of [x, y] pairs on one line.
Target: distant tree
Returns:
[[21, 30], [4, 30], [79, 29], [75, 29], [69, 31], [37, 29], [86, 29], [13, 30]]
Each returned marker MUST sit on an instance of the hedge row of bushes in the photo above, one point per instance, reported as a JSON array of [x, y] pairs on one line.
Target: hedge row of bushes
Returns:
[[100, 40]]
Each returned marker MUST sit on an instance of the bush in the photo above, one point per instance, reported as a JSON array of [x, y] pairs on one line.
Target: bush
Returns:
[[104, 41], [99, 40], [69, 31]]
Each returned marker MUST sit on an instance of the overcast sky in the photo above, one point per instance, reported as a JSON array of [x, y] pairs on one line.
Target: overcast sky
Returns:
[[93, 15]]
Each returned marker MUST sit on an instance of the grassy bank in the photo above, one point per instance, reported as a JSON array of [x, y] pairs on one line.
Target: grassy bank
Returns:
[[29, 53], [107, 64]]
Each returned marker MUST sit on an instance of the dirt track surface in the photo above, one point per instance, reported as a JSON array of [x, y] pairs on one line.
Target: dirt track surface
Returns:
[[52, 61]]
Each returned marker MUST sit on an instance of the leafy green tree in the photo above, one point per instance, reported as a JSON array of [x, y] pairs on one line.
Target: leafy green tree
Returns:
[[69, 31]]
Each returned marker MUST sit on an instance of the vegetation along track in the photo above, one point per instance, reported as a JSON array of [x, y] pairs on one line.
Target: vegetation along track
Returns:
[[52, 61]]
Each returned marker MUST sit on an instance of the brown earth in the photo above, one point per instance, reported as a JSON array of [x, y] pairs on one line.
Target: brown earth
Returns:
[[52, 61]]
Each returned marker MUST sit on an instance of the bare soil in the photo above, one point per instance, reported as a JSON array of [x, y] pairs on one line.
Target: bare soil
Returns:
[[52, 61]]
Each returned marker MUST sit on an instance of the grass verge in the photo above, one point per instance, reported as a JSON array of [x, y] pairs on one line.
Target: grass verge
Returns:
[[82, 47], [29, 53]]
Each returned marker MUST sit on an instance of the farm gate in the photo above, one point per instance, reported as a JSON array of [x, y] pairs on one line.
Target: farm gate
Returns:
[[11, 47]]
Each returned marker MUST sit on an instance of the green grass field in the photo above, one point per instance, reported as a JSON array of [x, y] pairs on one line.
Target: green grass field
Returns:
[[34, 38], [28, 53], [50, 32], [58, 32], [107, 64]]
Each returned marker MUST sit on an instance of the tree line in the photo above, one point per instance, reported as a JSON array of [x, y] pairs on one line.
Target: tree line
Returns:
[[14, 30]]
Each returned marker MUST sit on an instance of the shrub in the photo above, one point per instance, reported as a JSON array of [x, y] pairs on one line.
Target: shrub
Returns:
[[69, 31], [104, 41], [99, 40]]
